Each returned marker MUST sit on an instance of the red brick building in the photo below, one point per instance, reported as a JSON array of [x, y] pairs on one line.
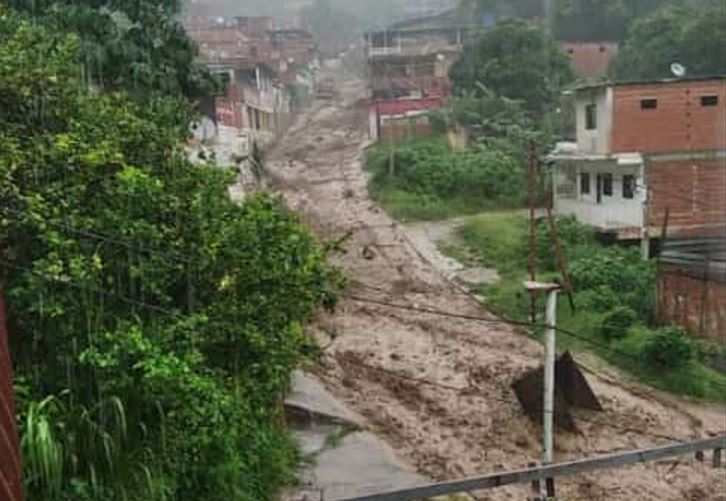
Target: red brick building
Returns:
[[643, 148], [692, 285], [408, 65], [10, 479]]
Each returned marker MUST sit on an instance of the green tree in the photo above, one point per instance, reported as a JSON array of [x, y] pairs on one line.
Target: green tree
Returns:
[[508, 8], [154, 322], [693, 35], [138, 45], [515, 60]]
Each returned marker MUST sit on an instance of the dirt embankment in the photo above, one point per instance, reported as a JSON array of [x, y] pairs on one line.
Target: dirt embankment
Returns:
[[437, 388]]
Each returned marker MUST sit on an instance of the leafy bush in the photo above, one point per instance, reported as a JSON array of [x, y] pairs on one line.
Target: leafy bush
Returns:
[[601, 298], [616, 322], [710, 353], [154, 321], [668, 347], [478, 174], [576, 238], [622, 271]]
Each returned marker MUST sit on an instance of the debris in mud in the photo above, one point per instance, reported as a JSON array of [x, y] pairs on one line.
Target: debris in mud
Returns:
[[368, 253], [348, 193], [571, 390]]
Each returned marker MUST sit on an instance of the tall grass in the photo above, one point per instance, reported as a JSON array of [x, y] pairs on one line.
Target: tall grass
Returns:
[[606, 278], [62, 439]]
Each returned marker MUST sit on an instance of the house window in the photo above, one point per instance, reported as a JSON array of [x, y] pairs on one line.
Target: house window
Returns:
[[628, 186], [591, 117], [607, 184], [584, 183], [709, 100], [648, 104]]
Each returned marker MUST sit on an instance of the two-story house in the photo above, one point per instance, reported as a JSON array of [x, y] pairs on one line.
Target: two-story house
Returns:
[[642, 148], [408, 66]]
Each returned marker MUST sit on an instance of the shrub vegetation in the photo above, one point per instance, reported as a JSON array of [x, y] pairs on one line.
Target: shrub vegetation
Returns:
[[429, 180], [614, 294], [154, 323]]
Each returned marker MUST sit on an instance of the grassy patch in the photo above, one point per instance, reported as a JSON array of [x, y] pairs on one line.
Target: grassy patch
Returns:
[[606, 280], [430, 181], [410, 206]]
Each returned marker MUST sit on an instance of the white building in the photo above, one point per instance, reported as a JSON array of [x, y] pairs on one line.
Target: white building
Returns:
[[597, 186]]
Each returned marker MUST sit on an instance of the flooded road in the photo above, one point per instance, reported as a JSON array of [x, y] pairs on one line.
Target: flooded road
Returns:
[[436, 389]]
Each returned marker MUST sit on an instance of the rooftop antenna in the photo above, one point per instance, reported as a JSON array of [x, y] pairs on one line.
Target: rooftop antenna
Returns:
[[678, 70]]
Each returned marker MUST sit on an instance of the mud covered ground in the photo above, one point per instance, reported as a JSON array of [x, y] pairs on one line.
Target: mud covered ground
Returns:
[[437, 388]]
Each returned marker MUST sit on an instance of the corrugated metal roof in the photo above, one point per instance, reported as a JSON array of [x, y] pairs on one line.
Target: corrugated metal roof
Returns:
[[702, 257], [662, 81]]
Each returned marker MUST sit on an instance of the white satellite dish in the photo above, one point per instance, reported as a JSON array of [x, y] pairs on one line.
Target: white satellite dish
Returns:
[[678, 70]]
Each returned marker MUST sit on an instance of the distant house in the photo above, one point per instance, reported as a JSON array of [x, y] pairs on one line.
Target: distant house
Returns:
[[408, 66], [642, 148], [692, 284], [590, 59], [269, 70]]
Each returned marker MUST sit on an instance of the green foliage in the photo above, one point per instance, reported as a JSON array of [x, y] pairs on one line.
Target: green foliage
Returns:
[[598, 20], [154, 322], [622, 271], [477, 9], [693, 34], [139, 46], [616, 322], [497, 237], [477, 176], [495, 121], [668, 347], [515, 60], [577, 240], [613, 295]]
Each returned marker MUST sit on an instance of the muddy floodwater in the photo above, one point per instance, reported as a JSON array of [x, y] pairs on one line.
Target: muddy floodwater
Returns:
[[437, 390]]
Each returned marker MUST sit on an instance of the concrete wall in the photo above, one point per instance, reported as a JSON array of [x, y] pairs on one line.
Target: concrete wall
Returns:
[[696, 304], [679, 123], [10, 479], [610, 212], [595, 141]]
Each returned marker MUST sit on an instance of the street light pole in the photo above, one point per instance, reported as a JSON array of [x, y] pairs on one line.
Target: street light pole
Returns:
[[548, 396]]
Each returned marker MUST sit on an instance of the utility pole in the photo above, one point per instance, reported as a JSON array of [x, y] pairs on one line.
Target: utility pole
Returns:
[[645, 237], [391, 150], [531, 162], [548, 396]]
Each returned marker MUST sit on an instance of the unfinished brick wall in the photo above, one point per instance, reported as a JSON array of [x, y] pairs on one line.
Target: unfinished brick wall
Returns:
[[697, 304], [694, 190], [10, 483], [590, 59], [680, 122]]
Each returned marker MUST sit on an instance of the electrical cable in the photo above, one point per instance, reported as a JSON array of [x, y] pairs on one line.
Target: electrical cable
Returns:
[[122, 298], [469, 390], [500, 321], [109, 239]]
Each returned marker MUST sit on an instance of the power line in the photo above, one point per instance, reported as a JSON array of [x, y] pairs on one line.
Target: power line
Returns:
[[500, 321], [85, 288], [109, 239], [472, 390]]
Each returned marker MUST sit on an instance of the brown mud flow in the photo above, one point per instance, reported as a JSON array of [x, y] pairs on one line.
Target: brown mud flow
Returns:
[[437, 389]]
